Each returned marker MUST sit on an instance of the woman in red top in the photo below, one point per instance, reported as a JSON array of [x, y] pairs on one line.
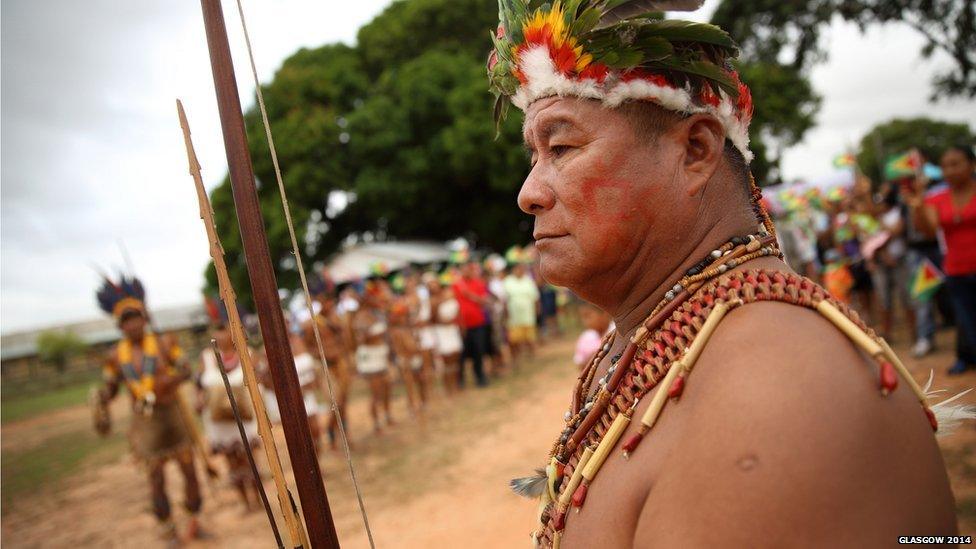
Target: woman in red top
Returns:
[[953, 211]]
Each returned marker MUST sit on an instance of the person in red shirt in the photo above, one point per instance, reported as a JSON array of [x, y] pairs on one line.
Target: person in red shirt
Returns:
[[471, 293], [953, 212]]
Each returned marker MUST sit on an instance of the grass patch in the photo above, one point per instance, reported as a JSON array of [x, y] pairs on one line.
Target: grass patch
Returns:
[[16, 408], [45, 466]]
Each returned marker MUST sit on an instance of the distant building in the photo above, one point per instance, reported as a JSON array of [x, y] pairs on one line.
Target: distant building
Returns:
[[20, 365]]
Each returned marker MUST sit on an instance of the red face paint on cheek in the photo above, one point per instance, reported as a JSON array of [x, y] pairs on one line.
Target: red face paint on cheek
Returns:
[[610, 200]]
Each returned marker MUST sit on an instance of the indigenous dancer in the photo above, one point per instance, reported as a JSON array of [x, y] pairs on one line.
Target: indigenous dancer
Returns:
[[409, 359], [152, 368], [446, 312], [309, 371], [219, 422], [337, 345], [420, 294], [373, 352], [791, 427]]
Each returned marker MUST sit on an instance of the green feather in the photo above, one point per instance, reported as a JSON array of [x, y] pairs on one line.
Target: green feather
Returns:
[[689, 31], [703, 69], [585, 22]]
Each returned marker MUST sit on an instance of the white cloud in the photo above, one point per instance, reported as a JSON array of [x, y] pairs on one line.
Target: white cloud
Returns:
[[92, 150]]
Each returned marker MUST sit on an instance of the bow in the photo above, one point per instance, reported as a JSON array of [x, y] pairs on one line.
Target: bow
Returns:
[[308, 478]]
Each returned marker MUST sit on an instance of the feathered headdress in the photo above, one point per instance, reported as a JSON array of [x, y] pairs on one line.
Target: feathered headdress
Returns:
[[615, 51], [115, 298]]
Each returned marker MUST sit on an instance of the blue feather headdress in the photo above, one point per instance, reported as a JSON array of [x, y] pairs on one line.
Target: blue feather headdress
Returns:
[[116, 298]]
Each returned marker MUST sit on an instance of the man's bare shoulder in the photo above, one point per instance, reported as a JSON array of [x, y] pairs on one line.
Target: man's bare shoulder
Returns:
[[785, 436]]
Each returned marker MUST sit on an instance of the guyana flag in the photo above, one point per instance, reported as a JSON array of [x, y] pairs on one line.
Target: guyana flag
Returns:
[[902, 165], [926, 281], [845, 160]]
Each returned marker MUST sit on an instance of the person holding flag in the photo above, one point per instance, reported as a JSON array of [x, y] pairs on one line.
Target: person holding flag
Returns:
[[953, 212]]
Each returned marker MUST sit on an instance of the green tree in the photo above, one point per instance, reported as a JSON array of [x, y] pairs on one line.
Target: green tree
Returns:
[[785, 108], [930, 137], [790, 32], [402, 122], [58, 348]]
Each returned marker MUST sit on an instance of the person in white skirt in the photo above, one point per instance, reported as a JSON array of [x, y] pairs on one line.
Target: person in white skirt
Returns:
[[219, 423], [373, 352], [309, 371], [447, 332]]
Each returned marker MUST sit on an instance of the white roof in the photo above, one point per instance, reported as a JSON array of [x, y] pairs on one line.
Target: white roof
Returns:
[[355, 262]]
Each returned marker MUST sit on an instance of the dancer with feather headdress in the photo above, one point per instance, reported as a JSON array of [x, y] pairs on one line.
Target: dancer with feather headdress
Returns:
[[152, 368]]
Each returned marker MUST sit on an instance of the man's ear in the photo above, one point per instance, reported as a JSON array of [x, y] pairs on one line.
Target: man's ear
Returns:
[[704, 142]]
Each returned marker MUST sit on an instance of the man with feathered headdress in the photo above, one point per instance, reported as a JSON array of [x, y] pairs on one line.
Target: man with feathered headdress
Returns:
[[152, 368], [791, 430]]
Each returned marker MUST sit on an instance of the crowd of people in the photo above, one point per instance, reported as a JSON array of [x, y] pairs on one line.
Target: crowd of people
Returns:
[[431, 330], [882, 246], [434, 329]]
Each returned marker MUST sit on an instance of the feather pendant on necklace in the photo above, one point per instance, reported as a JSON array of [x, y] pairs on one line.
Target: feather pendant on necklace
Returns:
[[530, 487]]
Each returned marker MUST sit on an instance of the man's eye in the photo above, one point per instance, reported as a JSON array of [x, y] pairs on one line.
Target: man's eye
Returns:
[[559, 150]]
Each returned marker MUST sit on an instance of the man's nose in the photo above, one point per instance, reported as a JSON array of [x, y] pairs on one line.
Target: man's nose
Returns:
[[536, 194]]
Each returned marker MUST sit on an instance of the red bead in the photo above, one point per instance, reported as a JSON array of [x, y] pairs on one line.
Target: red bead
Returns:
[[888, 379], [632, 443], [932, 421], [659, 349], [677, 386], [579, 496], [559, 521]]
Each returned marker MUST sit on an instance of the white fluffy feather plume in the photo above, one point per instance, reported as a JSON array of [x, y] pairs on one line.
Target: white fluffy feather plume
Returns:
[[948, 415]]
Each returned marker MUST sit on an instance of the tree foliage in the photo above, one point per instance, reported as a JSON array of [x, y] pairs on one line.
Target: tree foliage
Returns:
[[785, 108], [402, 123], [57, 348], [400, 127], [930, 137], [790, 32]]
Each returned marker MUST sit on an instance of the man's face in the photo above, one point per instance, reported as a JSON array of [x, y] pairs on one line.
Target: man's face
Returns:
[[133, 325], [599, 193]]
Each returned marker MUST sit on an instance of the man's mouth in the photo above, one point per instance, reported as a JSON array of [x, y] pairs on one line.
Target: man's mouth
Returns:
[[540, 237]]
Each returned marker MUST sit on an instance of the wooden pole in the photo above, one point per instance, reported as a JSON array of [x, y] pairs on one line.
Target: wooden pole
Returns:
[[308, 478], [247, 444], [288, 511]]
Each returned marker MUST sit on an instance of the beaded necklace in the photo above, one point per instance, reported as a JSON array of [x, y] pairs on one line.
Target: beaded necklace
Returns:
[[736, 251], [672, 339]]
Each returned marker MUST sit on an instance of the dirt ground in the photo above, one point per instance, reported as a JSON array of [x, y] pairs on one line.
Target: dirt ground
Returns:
[[436, 481]]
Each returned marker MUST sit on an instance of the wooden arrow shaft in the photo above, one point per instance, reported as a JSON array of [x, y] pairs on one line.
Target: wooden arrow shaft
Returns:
[[295, 529]]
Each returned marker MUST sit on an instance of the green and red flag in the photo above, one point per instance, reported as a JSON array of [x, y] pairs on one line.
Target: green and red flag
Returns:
[[845, 160], [903, 165], [926, 281]]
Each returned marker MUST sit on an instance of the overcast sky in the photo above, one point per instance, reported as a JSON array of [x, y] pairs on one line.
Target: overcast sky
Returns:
[[92, 152]]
